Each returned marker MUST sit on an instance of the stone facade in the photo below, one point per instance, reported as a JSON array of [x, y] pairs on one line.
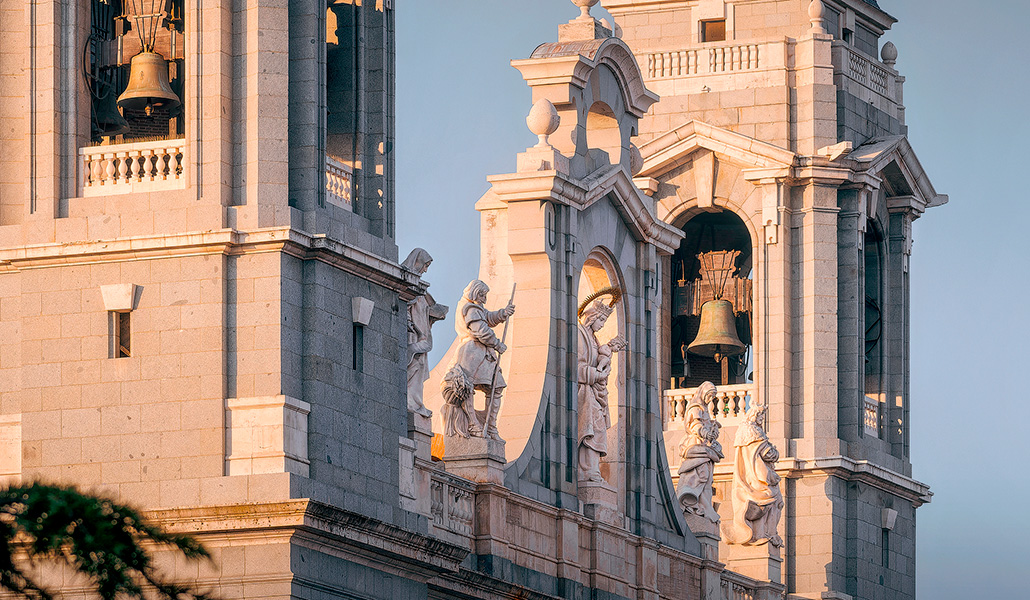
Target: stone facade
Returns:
[[214, 325]]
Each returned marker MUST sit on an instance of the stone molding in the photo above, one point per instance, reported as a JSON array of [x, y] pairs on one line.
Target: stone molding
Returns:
[[848, 469], [322, 527], [292, 241]]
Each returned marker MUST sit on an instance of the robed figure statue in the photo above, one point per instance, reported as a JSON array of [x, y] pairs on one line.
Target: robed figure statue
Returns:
[[595, 366], [757, 501]]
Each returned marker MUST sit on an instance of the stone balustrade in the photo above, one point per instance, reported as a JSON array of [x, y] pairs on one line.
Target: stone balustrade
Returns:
[[728, 408], [869, 74], [712, 60], [337, 182], [451, 502], [871, 416], [133, 167], [738, 587]]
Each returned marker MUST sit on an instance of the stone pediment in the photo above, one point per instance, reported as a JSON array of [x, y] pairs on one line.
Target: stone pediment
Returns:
[[679, 145], [894, 163]]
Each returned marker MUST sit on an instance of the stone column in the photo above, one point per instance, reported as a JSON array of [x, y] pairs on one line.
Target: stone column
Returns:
[[208, 97]]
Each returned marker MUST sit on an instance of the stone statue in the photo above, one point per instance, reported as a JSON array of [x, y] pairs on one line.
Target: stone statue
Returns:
[[423, 313], [595, 365], [480, 349], [459, 416], [700, 450], [757, 501]]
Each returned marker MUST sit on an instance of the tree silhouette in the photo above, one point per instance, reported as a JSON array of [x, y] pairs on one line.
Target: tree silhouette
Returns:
[[96, 537]]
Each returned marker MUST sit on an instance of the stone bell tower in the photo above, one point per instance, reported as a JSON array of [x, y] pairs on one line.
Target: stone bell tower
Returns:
[[780, 136], [201, 307]]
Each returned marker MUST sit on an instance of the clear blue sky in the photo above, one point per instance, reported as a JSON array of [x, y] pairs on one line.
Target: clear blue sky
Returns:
[[461, 111]]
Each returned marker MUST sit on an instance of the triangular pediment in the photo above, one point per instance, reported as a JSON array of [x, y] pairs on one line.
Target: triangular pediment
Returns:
[[677, 146], [892, 160]]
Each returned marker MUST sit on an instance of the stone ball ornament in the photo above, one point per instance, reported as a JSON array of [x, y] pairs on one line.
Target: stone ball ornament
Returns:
[[543, 120], [889, 53]]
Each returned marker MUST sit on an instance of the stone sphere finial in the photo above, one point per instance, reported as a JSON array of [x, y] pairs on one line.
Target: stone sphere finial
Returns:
[[889, 54], [584, 7], [543, 120], [817, 14]]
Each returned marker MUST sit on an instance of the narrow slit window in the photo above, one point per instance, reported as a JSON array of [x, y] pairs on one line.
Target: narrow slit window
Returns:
[[713, 31], [122, 335], [358, 345], [886, 548]]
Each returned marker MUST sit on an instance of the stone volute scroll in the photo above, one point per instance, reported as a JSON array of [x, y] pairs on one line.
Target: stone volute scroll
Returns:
[[700, 450], [594, 369], [757, 500], [423, 313]]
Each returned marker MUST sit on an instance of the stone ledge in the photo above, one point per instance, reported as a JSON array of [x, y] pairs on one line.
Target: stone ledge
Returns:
[[352, 536]]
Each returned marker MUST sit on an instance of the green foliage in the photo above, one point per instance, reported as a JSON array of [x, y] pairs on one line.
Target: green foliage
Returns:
[[100, 539]]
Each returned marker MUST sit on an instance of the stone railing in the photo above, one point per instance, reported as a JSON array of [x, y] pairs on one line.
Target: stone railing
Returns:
[[871, 416], [738, 587], [868, 73], [133, 167], [713, 60], [730, 402], [451, 502], [337, 182]]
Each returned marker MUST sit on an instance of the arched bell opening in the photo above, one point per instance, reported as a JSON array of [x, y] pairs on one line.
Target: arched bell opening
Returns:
[[600, 281], [711, 306]]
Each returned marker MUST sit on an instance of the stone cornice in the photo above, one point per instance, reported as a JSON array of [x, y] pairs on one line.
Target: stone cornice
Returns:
[[327, 528], [231, 242], [849, 469]]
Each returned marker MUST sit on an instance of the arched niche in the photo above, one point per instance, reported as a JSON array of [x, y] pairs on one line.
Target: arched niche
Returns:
[[600, 271]]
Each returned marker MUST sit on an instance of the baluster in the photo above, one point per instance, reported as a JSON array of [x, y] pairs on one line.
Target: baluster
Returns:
[[134, 165], [173, 163], [108, 168], [123, 167], [675, 63], [95, 170], [148, 164], [162, 163], [650, 65]]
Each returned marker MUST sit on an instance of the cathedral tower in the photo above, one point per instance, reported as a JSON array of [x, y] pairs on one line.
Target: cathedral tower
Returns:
[[780, 143]]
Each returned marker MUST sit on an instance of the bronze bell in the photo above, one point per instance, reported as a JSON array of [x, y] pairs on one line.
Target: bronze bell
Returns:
[[717, 334], [109, 121], [148, 84]]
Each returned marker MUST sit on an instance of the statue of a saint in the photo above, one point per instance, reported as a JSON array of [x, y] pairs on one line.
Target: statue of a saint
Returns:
[[595, 366], [700, 450], [423, 313], [480, 349], [757, 501]]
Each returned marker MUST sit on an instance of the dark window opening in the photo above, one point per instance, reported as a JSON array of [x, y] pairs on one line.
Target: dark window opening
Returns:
[[886, 548], [122, 335], [358, 346], [713, 31]]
